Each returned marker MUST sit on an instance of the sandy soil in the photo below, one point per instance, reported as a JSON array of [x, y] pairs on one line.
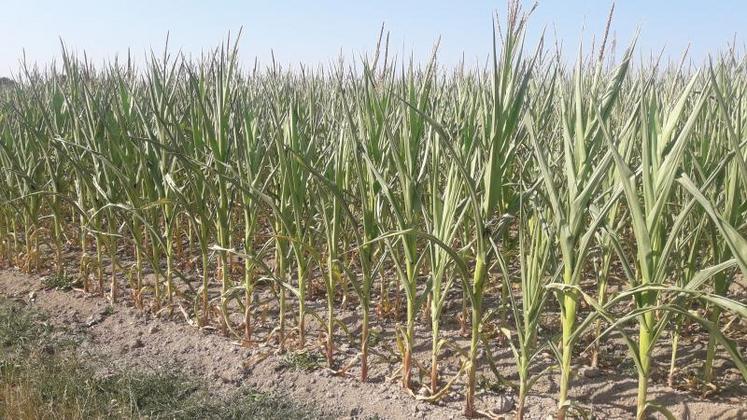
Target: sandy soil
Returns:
[[132, 339]]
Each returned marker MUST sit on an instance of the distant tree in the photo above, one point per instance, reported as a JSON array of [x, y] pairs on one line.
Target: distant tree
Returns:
[[6, 82]]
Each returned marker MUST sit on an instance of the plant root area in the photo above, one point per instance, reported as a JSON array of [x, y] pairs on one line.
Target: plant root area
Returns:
[[120, 338]]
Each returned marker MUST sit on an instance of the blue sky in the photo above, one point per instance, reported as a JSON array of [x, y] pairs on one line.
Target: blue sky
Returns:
[[316, 32]]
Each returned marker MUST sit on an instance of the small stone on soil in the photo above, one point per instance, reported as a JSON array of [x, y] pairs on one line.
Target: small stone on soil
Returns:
[[422, 408], [589, 372], [502, 404]]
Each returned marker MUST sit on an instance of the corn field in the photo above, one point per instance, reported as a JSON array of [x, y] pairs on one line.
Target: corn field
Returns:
[[608, 195]]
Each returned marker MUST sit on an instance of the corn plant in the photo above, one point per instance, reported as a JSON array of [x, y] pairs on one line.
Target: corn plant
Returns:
[[577, 188], [405, 194], [535, 272], [443, 217], [654, 240]]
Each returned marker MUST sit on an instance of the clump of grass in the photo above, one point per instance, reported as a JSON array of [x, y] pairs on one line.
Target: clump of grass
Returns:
[[39, 379], [64, 388], [496, 385], [254, 405], [301, 360], [18, 327], [59, 281], [374, 337]]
